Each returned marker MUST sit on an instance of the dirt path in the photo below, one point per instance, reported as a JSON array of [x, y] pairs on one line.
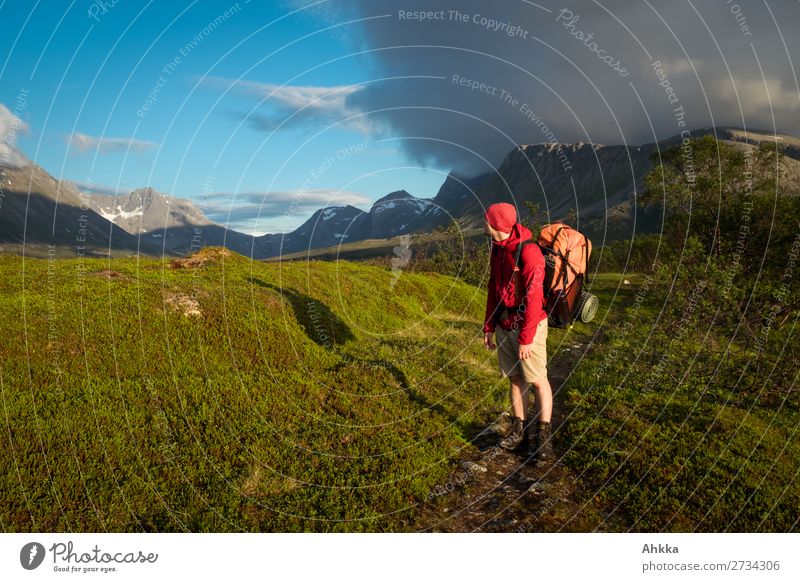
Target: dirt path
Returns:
[[492, 490]]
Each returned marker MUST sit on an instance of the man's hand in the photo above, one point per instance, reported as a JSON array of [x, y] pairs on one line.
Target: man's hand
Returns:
[[525, 351], [488, 342]]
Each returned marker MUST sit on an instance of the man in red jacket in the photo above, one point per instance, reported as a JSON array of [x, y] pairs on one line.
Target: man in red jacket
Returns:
[[515, 313]]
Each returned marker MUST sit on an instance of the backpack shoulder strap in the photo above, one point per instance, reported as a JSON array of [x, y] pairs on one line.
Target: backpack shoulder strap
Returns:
[[527, 241], [517, 274]]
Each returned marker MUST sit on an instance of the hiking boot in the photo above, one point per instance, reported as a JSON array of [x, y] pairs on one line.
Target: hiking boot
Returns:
[[518, 436], [544, 443]]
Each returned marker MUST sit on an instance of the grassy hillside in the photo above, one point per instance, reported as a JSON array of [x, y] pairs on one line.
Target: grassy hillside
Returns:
[[680, 422], [419, 242], [231, 394], [222, 394]]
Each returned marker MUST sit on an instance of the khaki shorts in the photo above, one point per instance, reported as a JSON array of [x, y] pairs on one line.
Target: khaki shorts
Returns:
[[535, 366]]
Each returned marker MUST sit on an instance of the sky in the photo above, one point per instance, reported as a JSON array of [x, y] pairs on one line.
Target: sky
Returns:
[[185, 97], [261, 112]]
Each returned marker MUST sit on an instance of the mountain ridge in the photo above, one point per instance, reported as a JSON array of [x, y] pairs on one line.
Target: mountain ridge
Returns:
[[599, 183]]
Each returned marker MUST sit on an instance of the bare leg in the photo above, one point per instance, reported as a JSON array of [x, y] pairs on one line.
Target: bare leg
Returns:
[[519, 396], [544, 399]]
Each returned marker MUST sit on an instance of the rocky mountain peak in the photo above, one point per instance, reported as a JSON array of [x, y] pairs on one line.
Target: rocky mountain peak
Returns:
[[396, 195], [144, 197]]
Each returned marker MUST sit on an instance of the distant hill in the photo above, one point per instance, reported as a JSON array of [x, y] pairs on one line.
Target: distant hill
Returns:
[[146, 210], [399, 213], [327, 227], [39, 214], [173, 225], [395, 214], [598, 183]]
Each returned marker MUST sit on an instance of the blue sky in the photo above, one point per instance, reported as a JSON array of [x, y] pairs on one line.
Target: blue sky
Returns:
[[187, 97], [255, 109]]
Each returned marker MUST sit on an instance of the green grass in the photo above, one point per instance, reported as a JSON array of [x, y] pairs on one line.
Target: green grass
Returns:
[[376, 248], [673, 430], [305, 397], [320, 397]]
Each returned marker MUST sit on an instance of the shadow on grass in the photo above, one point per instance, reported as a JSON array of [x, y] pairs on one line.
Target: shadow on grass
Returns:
[[400, 377], [325, 328], [322, 326]]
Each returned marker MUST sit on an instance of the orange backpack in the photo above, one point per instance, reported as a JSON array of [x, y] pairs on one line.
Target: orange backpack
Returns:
[[566, 255], [566, 252]]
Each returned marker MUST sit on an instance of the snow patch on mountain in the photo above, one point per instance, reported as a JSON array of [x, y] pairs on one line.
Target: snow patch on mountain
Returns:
[[120, 214], [384, 206], [420, 205]]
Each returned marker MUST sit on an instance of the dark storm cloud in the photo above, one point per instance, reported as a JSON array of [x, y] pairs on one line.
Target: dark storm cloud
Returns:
[[512, 71]]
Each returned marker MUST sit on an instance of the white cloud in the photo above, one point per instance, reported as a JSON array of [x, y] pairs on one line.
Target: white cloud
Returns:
[[104, 145], [274, 212], [294, 105], [92, 188], [10, 127], [757, 97], [312, 197], [258, 228]]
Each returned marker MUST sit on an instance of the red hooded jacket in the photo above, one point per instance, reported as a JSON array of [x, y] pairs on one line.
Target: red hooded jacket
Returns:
[[502, 285]]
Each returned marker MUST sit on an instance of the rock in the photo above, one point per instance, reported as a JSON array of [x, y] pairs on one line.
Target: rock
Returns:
[[201, 257], [473, 467], [109, 274], [539, 488], [184, 303]]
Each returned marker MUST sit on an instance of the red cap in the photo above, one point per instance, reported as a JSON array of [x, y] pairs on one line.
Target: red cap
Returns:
[[501, 216]]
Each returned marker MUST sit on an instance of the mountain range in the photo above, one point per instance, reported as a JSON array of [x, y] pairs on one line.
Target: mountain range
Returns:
[[597, 184]]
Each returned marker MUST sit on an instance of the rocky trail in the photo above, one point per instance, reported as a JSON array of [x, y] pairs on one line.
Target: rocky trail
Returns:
[[493, 490]]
